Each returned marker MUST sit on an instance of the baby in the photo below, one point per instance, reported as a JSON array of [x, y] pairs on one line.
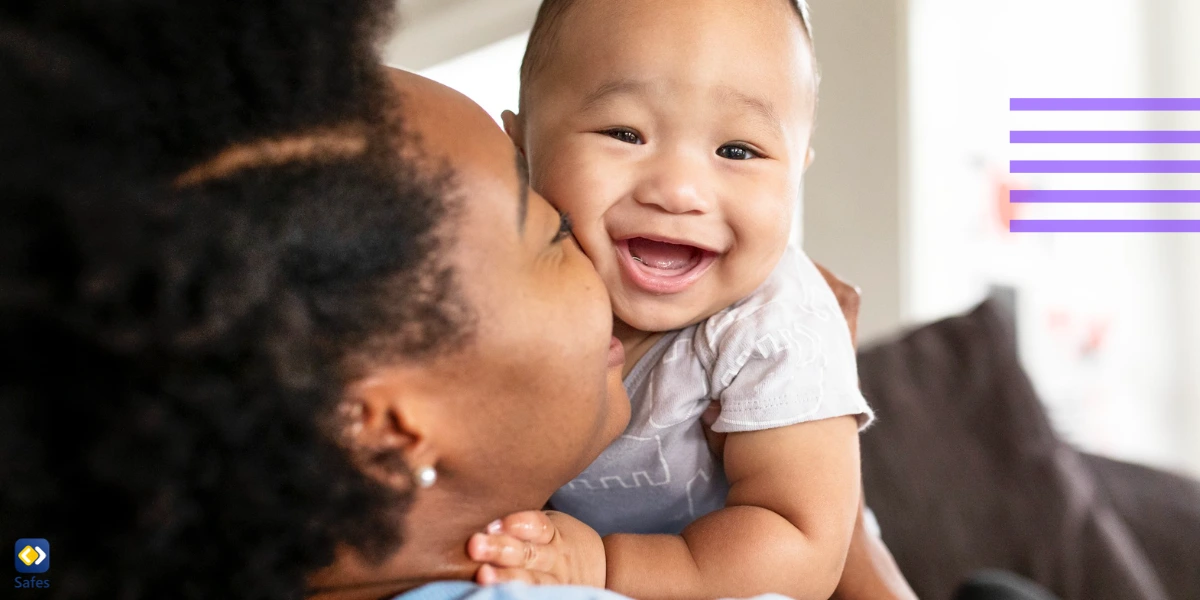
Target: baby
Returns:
[[674, 134]]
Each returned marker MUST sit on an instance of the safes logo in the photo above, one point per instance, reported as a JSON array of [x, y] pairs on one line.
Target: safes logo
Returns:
[[32, 555]]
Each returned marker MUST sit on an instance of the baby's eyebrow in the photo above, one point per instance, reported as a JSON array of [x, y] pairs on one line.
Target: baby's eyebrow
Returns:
[[762, 108], [614, 88]]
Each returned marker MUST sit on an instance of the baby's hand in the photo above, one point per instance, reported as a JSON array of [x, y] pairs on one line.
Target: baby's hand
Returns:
[[542, 547]]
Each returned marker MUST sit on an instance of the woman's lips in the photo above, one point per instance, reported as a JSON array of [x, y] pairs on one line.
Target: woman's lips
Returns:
[[616, 353], [662, 268]]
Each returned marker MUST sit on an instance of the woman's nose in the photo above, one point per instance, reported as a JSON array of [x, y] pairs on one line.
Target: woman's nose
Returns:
[[676, 185]]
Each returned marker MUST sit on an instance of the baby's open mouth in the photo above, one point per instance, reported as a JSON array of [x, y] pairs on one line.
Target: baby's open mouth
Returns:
[[664, 256], [661, 267]]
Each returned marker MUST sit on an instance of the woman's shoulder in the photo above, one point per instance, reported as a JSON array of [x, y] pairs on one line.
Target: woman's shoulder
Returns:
[[462, 590]]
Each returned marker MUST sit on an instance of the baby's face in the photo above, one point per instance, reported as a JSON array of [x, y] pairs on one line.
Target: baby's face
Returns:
[[674, 134]]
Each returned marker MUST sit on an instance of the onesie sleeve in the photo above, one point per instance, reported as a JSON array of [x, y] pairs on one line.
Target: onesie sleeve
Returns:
[[783, 355]]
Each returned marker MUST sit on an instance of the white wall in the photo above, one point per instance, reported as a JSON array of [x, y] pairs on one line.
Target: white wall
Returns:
[[1134, 396], [1174, 71], [490, 75]]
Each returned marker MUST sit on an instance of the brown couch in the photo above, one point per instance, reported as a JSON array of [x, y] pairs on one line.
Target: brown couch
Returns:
[[965, 472]]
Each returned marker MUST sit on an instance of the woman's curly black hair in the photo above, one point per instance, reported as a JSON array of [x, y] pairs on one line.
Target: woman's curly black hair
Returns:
[[171, 359]]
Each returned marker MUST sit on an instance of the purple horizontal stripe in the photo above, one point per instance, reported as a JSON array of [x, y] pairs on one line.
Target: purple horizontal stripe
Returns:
[[1099, 196], [1104, 137], [1110, 226], [1104, 104], [1104, 166]]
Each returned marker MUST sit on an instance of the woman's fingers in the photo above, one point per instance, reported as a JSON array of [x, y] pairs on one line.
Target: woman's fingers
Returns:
[[489, 575], [531, 526], [503, 550], [849, 299]]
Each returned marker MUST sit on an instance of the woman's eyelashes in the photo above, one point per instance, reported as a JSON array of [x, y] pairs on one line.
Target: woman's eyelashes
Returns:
[[564, 227], [738, 152]]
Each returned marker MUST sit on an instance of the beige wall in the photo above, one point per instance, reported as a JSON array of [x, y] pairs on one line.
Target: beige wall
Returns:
[[854, 195]]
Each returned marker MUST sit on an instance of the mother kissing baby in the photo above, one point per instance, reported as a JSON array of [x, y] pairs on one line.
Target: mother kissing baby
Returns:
[[277, 323]]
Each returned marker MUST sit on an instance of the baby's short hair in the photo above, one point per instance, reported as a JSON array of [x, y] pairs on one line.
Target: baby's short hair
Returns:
[[543, 38]]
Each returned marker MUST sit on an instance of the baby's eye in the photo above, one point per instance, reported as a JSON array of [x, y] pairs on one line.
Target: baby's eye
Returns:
[[737, 152], [628, 136]]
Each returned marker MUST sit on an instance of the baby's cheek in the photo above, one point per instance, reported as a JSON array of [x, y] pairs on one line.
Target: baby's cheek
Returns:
[[567, 180], [764, 229], [774, 224]]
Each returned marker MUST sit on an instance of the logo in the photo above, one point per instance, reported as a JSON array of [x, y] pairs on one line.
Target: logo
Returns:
[[32, 555]]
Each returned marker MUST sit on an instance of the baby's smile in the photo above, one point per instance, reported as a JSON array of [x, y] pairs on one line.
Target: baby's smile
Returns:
[[659, 266]]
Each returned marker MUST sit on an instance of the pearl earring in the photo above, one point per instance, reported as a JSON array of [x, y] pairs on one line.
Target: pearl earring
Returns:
[[426, 477]]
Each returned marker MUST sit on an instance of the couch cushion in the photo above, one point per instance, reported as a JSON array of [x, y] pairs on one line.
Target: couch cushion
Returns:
[[1163, 512], [965, 472]]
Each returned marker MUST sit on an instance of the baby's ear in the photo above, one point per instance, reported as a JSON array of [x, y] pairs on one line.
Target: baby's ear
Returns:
[[515, 128], [809, 156]]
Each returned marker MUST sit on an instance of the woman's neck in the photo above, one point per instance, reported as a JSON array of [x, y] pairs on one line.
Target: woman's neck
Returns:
[[636, 342], [433, 549]]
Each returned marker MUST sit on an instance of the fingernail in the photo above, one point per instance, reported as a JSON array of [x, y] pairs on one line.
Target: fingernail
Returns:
[[494, 526]]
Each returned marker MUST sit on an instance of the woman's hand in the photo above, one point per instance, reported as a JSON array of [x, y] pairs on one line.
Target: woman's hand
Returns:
[[541, 547], [848, 297]]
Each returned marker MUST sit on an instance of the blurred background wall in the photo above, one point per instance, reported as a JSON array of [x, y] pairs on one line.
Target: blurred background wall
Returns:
[[908, 197]]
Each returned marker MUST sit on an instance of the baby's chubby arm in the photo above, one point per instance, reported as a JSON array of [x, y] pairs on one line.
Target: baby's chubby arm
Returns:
[[786, 527]]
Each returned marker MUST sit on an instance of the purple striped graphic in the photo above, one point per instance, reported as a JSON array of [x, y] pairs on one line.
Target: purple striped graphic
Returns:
[[1187, 104], [1104, 137], [1105, 226], [1104, 166], [1103, 196]]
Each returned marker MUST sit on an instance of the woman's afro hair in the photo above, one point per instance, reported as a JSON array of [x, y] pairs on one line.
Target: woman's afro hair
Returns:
[[171, 360]]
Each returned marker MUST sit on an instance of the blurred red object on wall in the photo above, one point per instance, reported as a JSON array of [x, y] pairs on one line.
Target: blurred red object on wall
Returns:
[[1006, 211]]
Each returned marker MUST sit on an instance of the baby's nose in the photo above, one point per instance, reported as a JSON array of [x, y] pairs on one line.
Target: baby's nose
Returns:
[[677, 186]]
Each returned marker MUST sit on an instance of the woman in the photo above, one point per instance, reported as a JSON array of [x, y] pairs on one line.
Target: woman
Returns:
[[242, 309]]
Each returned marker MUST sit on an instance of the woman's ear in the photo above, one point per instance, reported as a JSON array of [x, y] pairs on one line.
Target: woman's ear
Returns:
[[514, 126], [386, 432], [809, 156]]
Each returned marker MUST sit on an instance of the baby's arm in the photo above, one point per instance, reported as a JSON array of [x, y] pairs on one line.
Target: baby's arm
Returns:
[[785, 529]]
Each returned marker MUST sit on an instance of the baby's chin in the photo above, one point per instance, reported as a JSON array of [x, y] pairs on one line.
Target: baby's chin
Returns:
[[660, 314]]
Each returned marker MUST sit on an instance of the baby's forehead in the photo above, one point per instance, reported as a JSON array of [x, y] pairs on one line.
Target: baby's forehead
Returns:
[[566, 28]]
